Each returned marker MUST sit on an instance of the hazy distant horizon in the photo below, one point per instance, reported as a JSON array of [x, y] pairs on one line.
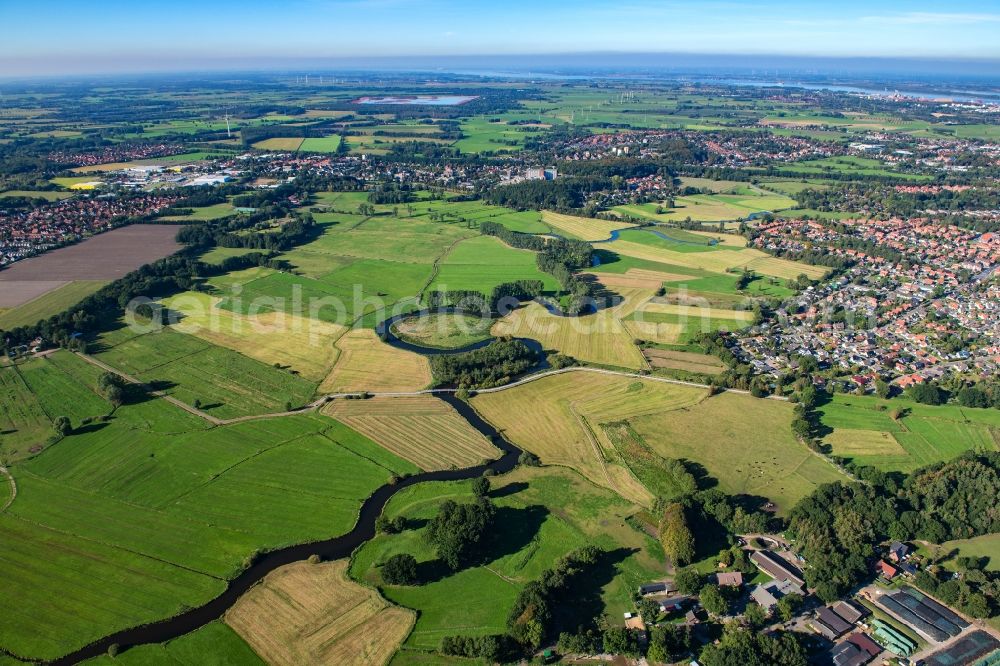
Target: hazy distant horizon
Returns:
[[763, 66], [107, 36]]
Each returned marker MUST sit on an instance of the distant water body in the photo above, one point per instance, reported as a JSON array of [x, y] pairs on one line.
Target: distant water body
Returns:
[[937, 92]]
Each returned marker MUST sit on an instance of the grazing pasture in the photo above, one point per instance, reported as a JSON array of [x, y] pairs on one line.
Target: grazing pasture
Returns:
[[743, 442], [422, 429], [227, 383], [214, 643], [366, 363], [205, 213], [864, 429], [483, 262], [558, 418], [308, 613], [131, 520], [543, 514]]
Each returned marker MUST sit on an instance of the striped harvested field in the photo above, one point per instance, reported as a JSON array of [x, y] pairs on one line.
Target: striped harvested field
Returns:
[[598, 338], [301, 343], [308, 613], [783, 268], [638, 278], [584, 228], [368, 364], [694, 311], [558, 417], [661, 332], [422, 429]]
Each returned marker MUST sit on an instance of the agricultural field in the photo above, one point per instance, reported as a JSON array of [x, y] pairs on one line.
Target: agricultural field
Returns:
[[313, 614], [558, 419], [483, 262], [205, 213], [306, 346], [686, 361], [365, 363], [687, 321], [421, 429], [48, 304], [711, 207], [327, 144], [543, 514], [582, 228], [48, 195], [289, 144], [443, 331], [226, 383], [743, 442], [856, 166], [598, 338], [35, 393], [157, 511], [900, 435], [214, 643]]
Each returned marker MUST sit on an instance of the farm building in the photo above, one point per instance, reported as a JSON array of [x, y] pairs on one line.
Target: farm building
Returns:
[[857, 650], [659, 587], [768, 594], [729, 579], [829, 624], [775, 567], [850, 612]]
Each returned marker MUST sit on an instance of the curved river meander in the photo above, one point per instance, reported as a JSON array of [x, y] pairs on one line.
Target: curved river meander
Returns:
[[330, 549]]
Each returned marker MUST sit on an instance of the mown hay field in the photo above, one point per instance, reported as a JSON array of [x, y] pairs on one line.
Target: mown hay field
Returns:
[[421, 429], [300, 343], [598, 338], [308, 613], [583, 228], [290, 144], [679, 360], [744, 442], [557, 418], [368, 364]]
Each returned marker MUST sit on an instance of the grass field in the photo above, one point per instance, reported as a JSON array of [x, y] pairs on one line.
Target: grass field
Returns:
[[864, 431], [227, 383], [421, 429], [368, 364], [34, 394], [301, 344], [131, 520], [205, 213], [558, 418], [598, 338], [285, 144], [215, 644], [686, 321], [583, 228], [313, 614], [483, 262], [717, 261], [743, 442], [987, 546], [443, 331], [711, 207], [327, 144], [48, 195], [542, 515], [49, 304]]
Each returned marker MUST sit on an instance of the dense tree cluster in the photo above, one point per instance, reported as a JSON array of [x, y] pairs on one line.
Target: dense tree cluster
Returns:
[[740, 646], [457, 531], [489, 366]]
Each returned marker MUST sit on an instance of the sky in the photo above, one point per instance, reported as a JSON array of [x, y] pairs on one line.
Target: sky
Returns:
[[74, 36]]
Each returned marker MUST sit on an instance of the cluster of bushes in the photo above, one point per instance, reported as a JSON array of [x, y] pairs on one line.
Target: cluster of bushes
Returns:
[[500, 298], [489, 366]]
